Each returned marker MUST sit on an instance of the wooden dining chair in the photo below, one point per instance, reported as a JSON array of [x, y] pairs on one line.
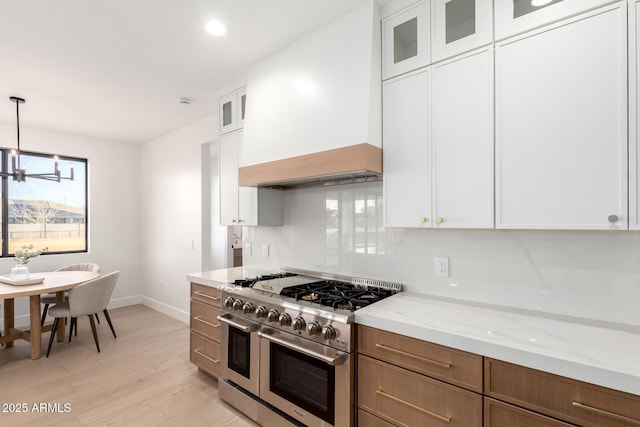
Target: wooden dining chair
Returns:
[[49, 299], [85, 299]]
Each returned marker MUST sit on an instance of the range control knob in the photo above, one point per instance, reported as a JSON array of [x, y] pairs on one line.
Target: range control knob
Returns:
[[237, 305], [328, 332], [298, 324], [261, 312], [273, 315], [247, 308], [314, 328], [228, 302], [284, 319]]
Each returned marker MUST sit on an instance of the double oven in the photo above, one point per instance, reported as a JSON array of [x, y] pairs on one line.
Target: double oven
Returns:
[[287, 361]]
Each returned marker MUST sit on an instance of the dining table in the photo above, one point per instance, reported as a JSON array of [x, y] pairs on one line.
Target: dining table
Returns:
[[54, 281]]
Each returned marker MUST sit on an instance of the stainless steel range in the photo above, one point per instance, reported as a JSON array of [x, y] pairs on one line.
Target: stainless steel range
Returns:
[[288, 346]]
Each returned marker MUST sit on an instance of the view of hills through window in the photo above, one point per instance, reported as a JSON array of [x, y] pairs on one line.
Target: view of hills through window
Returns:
[[47, 213]]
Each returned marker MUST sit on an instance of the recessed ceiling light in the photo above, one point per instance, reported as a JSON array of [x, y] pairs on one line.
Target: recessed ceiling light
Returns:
[[538, 3], [215, 28]]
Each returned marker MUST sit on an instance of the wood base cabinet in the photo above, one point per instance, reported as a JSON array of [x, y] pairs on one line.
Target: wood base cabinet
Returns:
[[397, 383], [500, 414], [205, 329], [563, 398]]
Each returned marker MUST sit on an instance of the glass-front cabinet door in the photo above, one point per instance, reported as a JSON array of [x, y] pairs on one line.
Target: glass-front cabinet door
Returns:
[[242, 105], [459, 26], [232, 110], [405, 40], [515, 16]]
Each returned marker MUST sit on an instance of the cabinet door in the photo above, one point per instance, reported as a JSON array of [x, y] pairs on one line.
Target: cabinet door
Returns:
[[405, 40], [463, 141], [459, 26], [241, 102], [228, 112], [228, 158], [406, 154], [634, 117], [561, 125], [515, 16]]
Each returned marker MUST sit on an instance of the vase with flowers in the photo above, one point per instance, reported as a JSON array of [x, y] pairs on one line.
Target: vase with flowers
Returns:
[[23, 256]]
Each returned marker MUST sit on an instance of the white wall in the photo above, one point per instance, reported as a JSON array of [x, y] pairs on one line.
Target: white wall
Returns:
[[593, 275], [170, 208], [113, 209]]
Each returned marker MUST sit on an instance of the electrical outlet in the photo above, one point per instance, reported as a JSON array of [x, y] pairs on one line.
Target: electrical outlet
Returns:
[[441, 267], [265, 250], [247, 249]]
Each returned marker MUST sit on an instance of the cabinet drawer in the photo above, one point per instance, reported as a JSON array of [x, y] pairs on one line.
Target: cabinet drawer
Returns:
[[205, 354], [206, 294], [570, 400], [204, 319], [365, 419], [500, 414], [447, 364], [404, 397]]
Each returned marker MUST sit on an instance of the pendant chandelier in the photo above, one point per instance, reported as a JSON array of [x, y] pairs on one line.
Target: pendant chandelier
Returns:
[[18, 170]]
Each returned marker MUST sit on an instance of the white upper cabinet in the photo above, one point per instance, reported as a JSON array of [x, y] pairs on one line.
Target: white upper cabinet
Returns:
[[462, 141], [228, 169], [244, 205], [634, 117], [405, 40], [516, 16], [459, 26], [231, 111], [407, 154], [438, 145], [561, 124]]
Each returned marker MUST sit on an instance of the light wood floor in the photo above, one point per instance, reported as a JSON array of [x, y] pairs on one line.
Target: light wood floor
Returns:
[[142, 378]]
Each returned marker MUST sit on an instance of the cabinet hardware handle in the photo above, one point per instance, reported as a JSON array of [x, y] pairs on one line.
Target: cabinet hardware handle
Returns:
[[206, 296], [444, 418], [199, 319], [423, 359], [605, 413], [423, 219], [613, 219], [439, 220], [197, 351]]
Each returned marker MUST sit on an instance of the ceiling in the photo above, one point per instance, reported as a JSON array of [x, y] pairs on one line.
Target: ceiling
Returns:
[[116, 69]]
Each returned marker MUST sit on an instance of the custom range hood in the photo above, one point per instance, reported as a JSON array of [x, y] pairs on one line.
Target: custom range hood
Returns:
[[313, 109]]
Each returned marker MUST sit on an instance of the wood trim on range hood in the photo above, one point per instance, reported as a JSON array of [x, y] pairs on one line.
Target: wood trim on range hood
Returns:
[[360, 161]]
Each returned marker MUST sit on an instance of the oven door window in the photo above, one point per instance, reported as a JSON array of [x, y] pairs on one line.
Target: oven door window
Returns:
[[304, 381], [239, 348]]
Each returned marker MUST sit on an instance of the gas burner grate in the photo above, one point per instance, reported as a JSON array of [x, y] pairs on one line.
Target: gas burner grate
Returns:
[[338, 295]]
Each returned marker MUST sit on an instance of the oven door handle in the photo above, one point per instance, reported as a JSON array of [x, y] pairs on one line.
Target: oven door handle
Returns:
[[244, 328], [331, 360]]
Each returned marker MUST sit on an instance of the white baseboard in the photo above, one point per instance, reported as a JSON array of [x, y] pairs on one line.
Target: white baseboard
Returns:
[[125, 301], [176, 313]]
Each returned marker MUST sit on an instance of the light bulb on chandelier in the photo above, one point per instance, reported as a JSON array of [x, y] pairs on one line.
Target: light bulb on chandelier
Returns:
[[19, 171]]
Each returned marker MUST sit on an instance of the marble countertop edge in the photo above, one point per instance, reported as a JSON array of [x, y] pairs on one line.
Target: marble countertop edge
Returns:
[[603, 370]]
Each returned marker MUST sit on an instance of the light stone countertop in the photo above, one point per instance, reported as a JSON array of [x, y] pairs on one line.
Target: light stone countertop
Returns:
[[601, 353], [596, 352], [218, 278]]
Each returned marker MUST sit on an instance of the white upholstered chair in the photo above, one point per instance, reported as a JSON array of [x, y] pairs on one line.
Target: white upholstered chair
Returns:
[[85, 300], [49, 299]]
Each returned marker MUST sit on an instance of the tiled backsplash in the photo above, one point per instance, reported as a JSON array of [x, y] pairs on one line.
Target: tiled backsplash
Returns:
[[589, 274]]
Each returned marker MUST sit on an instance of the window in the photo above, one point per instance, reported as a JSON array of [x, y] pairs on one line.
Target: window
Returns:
[[46, 214]]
